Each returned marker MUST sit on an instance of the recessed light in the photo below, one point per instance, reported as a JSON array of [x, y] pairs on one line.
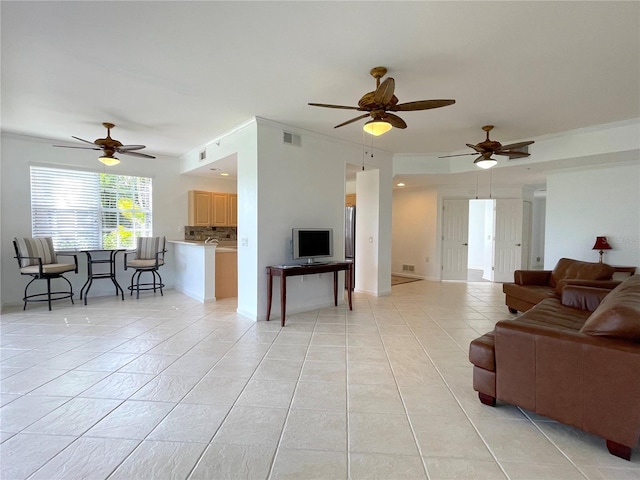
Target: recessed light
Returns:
[[224, 174], [400, 184]]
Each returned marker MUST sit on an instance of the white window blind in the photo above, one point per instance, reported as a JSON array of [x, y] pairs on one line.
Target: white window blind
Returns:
[[88, 209]]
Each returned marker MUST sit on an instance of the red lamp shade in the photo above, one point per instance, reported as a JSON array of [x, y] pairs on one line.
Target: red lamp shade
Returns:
[[601, 244]]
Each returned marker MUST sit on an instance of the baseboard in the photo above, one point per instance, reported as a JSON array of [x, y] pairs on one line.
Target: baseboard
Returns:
[[408, 275]]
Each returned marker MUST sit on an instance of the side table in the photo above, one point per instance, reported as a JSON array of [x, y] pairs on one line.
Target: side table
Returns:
[[96, 257], [284, 271]]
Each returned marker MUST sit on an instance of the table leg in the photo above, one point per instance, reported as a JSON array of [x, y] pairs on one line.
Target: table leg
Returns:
[[335, 288], [348, 274], [112, 268], [283, 297], [89, 281], [269, 292]]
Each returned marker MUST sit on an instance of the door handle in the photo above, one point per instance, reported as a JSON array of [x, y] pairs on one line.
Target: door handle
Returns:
[[518, 244], [465, 244]]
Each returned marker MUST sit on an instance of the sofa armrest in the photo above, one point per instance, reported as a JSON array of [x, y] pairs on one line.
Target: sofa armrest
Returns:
[[589, 382], [583, 298], [532, 277]]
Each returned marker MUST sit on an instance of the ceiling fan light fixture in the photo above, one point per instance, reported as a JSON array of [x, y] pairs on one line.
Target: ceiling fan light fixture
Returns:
[[109, 161], [485, 162], [376, 127]]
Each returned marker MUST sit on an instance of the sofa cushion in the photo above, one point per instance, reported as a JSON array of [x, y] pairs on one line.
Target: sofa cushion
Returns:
[[583, 298], [551, 313], [567, 268], [618, 316]]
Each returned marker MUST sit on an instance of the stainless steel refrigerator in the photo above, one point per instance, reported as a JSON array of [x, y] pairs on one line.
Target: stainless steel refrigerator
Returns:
[[350, 240]]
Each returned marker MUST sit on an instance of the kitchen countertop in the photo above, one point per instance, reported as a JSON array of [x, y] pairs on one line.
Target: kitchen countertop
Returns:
[[219, 248]]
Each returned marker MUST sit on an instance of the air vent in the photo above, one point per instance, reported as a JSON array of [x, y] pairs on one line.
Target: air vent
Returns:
[[408, 268], [291, 139], [203, 155]]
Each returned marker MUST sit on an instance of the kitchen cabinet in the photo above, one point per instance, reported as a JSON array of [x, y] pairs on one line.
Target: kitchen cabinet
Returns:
[[226, 273], [233, 210], [219, 209], [350, 200], [213, 209], [199, 208]]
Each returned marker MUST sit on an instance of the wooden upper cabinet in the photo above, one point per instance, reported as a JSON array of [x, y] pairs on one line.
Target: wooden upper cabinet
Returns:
[[199, 208], [233, 210], [350, 200], [219, 209], [213, 209]]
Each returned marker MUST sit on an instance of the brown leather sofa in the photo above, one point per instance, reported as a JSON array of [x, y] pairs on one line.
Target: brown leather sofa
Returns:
[[575, 359], [530, 287]]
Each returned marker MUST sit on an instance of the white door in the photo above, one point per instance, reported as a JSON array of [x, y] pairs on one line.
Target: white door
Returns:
[[455, 239], [526, 236], [508, 239]]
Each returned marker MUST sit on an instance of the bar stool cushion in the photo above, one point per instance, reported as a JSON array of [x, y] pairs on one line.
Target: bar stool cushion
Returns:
[[48, 269], [144, 263]]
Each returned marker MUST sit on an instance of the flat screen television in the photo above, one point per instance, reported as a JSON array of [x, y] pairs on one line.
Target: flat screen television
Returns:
[[312, 243]]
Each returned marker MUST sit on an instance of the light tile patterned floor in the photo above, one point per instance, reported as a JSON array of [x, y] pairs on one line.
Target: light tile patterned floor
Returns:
[[167, 388]]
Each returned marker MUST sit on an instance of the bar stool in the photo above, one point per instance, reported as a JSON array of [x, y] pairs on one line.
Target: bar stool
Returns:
[[37, 258], [149, 257]]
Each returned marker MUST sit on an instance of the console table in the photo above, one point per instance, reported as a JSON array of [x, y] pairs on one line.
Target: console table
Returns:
[[284, 271], [101, 256]]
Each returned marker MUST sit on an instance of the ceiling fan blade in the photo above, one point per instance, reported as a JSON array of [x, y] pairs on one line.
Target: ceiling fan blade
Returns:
[[513, 154], [394, 120], [137, 154], [475, 147], [122, 148], [352, 120], [421, 105], [514, 146], [83, 148], [326, 105], [83, 140], [459, 155], [384, 93]]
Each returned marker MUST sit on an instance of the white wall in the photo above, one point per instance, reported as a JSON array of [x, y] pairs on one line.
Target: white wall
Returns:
[[170, 204], [415, 216], [243, 143], [417, 225], [280, 187], [538, 214], [305, 187], [373, 233], [583, 204]]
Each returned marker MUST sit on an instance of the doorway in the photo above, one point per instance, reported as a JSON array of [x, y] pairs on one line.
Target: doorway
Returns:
[[481, 230], [485, 236]]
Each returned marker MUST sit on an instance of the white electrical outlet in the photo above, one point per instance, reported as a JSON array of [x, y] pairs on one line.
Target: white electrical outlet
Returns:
[[244, 242]]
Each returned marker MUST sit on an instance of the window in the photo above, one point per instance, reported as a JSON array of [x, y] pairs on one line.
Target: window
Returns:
[[89, 210]]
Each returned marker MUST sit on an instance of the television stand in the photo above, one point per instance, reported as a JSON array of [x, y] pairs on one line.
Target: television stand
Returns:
[[311, 261], [283, 272]]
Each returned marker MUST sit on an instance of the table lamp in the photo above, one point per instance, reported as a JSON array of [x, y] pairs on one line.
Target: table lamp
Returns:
[[601, 244]]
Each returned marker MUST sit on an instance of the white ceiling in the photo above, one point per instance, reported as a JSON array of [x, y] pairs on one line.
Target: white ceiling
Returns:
[[175, 75]]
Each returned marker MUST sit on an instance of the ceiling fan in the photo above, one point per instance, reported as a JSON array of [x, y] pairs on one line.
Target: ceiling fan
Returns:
[[380, 102], [489, 147], [109, 147]]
